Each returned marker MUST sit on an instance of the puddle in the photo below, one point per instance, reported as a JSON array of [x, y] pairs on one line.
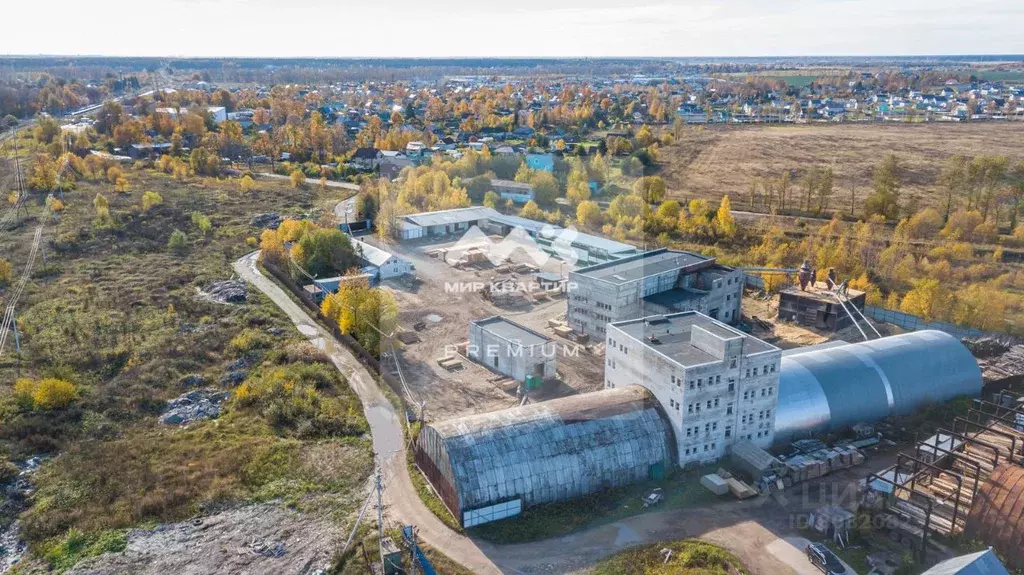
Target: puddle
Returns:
[[433, 318]]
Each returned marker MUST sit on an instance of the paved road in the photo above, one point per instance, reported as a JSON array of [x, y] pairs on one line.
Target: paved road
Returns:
[[757, 532], [400, 496], [330, 183]]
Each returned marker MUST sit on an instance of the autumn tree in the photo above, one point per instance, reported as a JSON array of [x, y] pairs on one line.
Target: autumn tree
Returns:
[[724, 224], [202, 223], [650, 188], [491, 199], [297, 179], [588, 214], [151, 200], [6, 272], [102, 208], [246, 184], [327, 252]]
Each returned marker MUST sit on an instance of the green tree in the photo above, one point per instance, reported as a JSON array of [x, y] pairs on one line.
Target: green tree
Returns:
[[47, 130], [327, 251], [491, 199], [545, 187], [202, 222], [885, 199], [178, 242]]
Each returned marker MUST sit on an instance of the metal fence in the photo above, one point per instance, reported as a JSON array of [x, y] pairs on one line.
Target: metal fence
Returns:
[[913, 322]]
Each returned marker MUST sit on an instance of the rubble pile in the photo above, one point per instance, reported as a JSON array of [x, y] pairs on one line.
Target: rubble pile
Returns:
[[228, 291], [194, 406]]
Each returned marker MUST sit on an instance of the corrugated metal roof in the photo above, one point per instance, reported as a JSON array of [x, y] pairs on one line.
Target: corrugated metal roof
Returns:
[[553, 450], [372, 254], [644, 265], [980, 563], [511, 331], [997, 513], [835, 388], [454, 216]]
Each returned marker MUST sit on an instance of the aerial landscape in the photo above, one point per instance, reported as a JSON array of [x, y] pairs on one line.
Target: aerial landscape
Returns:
[[547, 305]]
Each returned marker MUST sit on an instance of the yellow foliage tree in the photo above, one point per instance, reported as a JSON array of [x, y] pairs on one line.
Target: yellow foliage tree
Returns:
[[297, 179], [247, 184], [724, 223], [54, 393], [151, 200]]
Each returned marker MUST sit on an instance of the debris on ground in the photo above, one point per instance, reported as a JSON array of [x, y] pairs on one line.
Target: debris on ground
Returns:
[[228, 291], [263, 538], [270, 221], [194, 406], [266, 548]]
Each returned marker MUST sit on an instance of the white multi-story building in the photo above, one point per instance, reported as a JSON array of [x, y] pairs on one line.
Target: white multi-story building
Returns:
[[716, 384], [656, 282]]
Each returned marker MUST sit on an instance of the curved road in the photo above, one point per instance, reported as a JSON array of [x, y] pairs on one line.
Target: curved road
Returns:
[[758, 532]]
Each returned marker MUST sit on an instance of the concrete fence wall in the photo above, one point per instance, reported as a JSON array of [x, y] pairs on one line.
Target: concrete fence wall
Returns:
[[915, 323]]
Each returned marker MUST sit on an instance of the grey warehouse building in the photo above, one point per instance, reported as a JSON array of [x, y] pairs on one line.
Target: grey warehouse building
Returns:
[[836, 385], [652, 283], [511, 349], [490, 466]]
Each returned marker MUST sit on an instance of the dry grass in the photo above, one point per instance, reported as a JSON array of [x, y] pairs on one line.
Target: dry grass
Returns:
[[717, 161]]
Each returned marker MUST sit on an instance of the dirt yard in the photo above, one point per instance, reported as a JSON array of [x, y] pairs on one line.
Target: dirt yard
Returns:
[[718, 161], [444, 318], [788, 335]]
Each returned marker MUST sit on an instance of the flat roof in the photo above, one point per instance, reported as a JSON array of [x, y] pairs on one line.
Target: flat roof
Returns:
[[643, 265], [372, 254], [819, 292], [511, 184], [673, 296], [526, 224], [677, 345], [609, 246], [511, 331], [453, 216]]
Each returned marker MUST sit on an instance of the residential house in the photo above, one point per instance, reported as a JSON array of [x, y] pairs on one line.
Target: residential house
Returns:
[[366, 158], [518, 192]]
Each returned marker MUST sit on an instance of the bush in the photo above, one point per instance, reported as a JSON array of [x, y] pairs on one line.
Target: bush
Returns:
[[178, 242], [151, 200], [65, 552], [49, 393], [6, 272], [248, 340]]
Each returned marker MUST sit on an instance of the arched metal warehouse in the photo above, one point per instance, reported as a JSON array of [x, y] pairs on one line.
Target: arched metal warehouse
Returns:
[[491, 465], [997, 514], [832, 388]]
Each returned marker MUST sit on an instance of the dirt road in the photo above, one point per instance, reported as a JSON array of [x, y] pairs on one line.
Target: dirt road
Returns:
[[750, 529]]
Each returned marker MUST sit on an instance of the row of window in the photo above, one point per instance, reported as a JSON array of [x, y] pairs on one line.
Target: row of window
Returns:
[[749, 418], [601, 305], [765, 392], [708, 428], [695, 450], [763, 371]]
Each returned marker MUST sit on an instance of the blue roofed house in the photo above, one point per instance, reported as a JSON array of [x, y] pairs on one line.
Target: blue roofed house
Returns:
[[545, 162], [980, 563]]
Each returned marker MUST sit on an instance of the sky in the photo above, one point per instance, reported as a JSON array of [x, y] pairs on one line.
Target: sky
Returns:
[[525, 28]]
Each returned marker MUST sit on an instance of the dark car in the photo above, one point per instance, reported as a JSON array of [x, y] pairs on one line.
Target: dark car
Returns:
[[823, 558]]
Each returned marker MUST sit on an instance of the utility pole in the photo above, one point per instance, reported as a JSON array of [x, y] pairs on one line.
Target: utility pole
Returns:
[[380, 518]]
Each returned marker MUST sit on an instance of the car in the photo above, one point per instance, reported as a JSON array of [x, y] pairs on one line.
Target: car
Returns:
[[654, 497], [823, 558]]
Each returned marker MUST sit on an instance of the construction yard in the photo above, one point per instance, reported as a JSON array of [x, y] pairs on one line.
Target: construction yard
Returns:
[[434, 315]]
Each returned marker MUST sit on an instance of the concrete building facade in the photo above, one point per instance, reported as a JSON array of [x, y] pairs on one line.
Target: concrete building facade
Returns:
[[717, 384], [655, 282], [385, 264], [511, 349]]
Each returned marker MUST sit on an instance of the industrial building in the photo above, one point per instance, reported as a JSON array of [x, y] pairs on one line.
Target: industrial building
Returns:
[[511, 349], [819, 307], [997, 515], [717, 384], [655, 282], [490, 466], [518, 192], [376, 261], [566, 244], [836, 385]]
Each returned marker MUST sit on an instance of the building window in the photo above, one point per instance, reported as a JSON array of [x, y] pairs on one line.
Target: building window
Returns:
[[745, 395], [728, 410], [732, 364], [763, 392], [769, 391], [691, 384], [728, 298], [759, 434], [672, 403], [709, 404], [687, 432], [707, 427], [690, 408], [773, 368], [748, 372], [718, 379], [760, 415], [755, 372], [700, 382], [714, 426], [705, 447], [728, 432], [732, 386], [768, 413]]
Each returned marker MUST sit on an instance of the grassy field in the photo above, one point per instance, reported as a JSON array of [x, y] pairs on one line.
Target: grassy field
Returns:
[[718, 161], [689, 557], [117, 313], [681, 489]]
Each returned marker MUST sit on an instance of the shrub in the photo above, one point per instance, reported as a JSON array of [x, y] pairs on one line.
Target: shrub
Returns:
[[178, 242], [48, 393], [247, 184], [298, 179], [202, 222], [151, 200], [248, 340], [6, 272]]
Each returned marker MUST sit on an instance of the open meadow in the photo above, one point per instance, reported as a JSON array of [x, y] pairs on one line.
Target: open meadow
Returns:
[[710, 162]]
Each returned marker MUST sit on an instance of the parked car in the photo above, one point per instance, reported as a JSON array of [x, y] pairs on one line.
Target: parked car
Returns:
[[654, 497], [823, 558]]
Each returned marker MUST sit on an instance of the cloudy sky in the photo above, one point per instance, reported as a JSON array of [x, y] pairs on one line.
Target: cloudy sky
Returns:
[[440, 28]]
